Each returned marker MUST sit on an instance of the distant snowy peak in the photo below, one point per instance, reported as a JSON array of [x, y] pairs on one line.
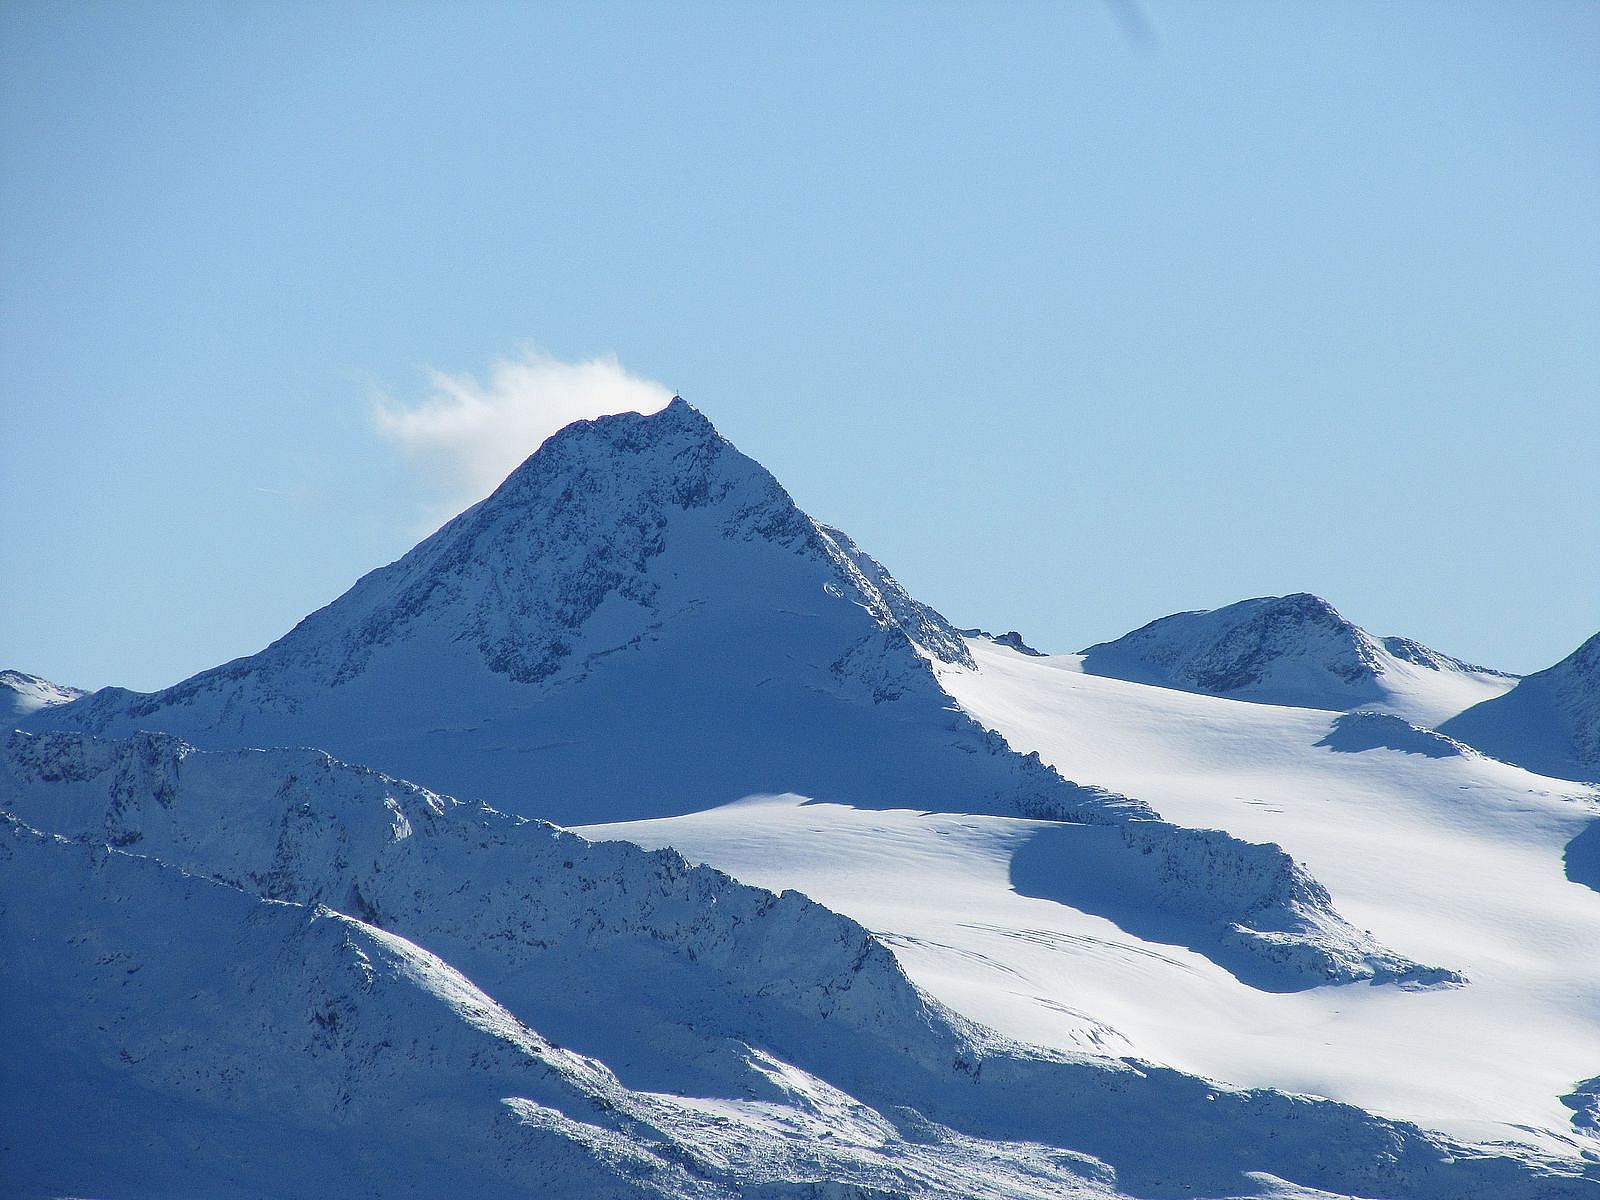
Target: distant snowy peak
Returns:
[[1295, 650], [21, 694], [1549, 722]]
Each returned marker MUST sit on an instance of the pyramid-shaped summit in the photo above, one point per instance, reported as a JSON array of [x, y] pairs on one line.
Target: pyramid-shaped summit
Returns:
[[639, 559]]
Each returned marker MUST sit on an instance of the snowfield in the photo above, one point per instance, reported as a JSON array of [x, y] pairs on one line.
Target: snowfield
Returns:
[[1454, 859]]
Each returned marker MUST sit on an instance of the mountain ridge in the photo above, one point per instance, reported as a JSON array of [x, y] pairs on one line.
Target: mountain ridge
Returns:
[[1294, 650], [1549, 723], [691, 985]]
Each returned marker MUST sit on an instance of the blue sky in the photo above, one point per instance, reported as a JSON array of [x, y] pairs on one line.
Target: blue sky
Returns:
[[1075, 314]]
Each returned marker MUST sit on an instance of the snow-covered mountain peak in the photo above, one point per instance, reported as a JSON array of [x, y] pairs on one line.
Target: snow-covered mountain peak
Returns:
[[617, 534], [650, 466], [21, 694], [1296, 650], [672, 459], [1248, 644], [576, 528]]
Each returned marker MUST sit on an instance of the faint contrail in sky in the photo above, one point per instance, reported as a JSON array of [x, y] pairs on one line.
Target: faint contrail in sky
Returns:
[[1131, 20]]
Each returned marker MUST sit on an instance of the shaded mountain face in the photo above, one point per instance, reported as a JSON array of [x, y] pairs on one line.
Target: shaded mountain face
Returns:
[[1548, 723], [1294, 650], [22, 695]]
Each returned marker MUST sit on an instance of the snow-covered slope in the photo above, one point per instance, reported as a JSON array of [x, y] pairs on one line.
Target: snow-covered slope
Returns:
[[190, 997], [508, 900], [640, 623], [1549, 722], [169, 1036], [22, 695], [1295, 650], [1443, 854]]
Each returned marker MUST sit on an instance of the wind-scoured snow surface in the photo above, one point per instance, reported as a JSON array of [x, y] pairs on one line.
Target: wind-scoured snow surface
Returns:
[[1295, 650], [508, 1009], [640, 623], [22, 695], [1549, 722]]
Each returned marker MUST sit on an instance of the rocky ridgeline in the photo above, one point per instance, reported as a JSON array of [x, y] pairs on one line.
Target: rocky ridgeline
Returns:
[[222, 1044]]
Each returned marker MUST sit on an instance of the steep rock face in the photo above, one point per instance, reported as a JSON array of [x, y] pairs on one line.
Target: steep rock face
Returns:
[[1296, 650], [1549, 722], [21, 695], [890, 604]]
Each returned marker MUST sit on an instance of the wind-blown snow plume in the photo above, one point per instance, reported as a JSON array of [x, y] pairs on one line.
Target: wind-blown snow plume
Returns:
[[467, 436]]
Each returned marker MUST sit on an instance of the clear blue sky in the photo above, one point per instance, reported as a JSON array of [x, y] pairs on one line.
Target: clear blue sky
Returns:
[[1075, 314]]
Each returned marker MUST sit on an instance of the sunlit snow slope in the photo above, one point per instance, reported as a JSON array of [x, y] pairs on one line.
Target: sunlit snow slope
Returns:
[[21, 695], [1442, 853]]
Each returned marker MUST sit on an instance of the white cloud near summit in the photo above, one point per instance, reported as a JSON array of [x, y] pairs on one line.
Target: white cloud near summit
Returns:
[[467, 435]]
